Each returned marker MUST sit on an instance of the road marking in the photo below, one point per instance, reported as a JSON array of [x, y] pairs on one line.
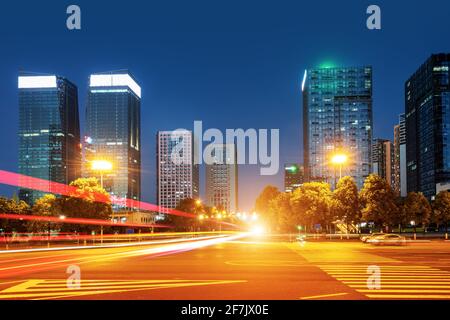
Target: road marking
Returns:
[[56, 289], [324, 296], [397, 282], [269, 263]]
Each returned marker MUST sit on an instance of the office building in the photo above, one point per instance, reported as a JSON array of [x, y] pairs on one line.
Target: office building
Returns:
[[222, 178], [177, 175], [427, 108], [49, 133], [294, 176], [113, 134], [337, 118], [383, 160], [400, 186]]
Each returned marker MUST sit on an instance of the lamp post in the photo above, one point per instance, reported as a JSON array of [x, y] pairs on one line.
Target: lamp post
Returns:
[[339, 159], [101, 166]]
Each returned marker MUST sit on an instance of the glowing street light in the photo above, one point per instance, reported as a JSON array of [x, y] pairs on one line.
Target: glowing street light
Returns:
[[198, 202], [101, 166], [339, 159]]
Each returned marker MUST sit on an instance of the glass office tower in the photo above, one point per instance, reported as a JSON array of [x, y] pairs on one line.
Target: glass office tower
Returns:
[[113, 134], [337, 118], [49, 132], [427, 107]]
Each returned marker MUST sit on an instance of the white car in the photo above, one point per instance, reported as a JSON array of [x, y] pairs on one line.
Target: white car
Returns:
[[388, 239], [373, 235]]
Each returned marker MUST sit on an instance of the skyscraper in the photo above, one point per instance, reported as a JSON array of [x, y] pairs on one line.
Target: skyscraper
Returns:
[[49, 131], [427, 107], [222, 178], [177, 175], [114, 133], [400, 157], [294, 176], [337, 118], [383, 160]]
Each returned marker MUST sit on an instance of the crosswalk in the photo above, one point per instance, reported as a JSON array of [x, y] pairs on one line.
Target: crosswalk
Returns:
[[396, 281], [44, 289]]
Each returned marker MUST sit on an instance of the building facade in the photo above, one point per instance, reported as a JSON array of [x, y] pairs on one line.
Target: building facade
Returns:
[[49, 132], [383, 160], [222, 178], [113, 134], [337, 118], [177, 175], [294, 176], [400, 185], [427, 108]]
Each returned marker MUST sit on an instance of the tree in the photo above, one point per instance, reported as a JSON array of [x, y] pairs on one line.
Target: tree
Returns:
[[417, 208], [441, 208], [187, 205], [14, 206], [47, 206], [281, 208], [312, 203], [89, 200], [346, 201], [262, 206], [378, 201]]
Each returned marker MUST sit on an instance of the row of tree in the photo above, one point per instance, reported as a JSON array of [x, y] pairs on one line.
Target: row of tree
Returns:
[[205, 218], [315, 204], [82, 203]]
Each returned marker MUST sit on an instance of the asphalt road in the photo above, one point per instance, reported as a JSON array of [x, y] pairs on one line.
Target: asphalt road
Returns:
[[239, 268]]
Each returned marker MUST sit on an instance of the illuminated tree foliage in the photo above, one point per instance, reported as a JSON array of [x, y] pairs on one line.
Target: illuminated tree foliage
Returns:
[[263, 207], [47, 206], [441, 208], [346, 206], [378, 201], [417, 208], [312, 203]]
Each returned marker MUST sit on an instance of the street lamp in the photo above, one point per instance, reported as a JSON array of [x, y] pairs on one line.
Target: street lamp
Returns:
[[101, 166], [339, 160]]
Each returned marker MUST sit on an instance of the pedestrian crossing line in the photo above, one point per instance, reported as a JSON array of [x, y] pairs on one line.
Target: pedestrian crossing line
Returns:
[[56, 289], [396, 281]]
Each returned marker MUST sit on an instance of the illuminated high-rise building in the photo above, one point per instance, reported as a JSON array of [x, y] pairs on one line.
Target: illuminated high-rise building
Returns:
[[294, 176], [427, 108], [113, 133], [177, 175], [222, 178], [383, 160], [337, 118], [400, 157], [49, 132]]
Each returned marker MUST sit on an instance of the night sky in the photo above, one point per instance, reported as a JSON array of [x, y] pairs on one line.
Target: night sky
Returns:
[[231, 64]]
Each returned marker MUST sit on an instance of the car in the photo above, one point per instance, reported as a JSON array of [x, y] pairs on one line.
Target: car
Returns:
[[388, 239], [365, 238]]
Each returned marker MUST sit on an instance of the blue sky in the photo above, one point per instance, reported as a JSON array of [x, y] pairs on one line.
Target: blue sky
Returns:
[[231, 64]]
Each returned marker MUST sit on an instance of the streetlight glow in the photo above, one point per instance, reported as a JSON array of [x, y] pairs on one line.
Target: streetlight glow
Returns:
[[101, 165], [339, 159]]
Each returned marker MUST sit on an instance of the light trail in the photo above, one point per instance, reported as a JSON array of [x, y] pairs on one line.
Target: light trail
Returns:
[[115, 245], [27, 182], [172, 246], [97, 222]]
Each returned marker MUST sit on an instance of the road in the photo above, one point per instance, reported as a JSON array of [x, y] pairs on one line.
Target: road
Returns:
[[231, 267]]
